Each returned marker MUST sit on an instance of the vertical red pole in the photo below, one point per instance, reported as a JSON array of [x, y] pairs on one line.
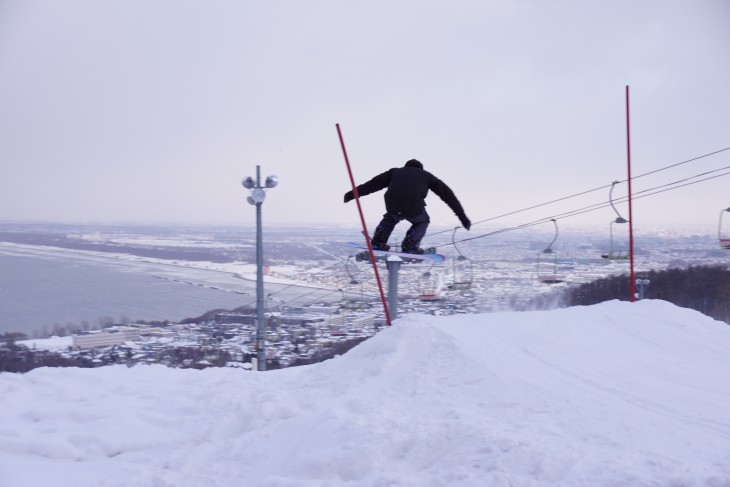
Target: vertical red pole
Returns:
[[364, 227], [632, 284]]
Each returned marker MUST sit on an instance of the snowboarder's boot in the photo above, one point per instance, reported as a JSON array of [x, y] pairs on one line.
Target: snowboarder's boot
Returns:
[[410, 247], [378, 242]]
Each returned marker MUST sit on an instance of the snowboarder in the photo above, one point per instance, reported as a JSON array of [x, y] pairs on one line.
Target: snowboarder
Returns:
[[405, 200]]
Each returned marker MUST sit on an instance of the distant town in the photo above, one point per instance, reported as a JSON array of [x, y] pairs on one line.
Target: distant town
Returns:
[[338, 304], [296, 337]]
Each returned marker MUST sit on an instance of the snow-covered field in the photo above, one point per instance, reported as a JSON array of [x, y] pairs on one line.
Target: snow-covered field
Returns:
[[617, 394]]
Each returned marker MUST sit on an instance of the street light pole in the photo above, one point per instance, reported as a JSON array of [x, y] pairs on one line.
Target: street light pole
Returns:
[[257, 198], [260, 321]]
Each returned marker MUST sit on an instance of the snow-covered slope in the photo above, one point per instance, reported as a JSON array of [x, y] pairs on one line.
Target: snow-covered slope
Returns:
[[615, 394]]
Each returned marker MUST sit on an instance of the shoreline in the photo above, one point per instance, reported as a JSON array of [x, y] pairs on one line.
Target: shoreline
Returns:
[[197, 275]]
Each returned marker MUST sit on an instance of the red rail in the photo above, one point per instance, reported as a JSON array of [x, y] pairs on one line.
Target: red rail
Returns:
[[364, 227], [632, 284]]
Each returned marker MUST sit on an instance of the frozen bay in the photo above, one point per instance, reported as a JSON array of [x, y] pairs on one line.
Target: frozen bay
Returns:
[[44, 286]]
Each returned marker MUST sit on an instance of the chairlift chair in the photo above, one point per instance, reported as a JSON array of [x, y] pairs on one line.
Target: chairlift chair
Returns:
[[723, 234], [463, 268], [354, 283], [351, 269], [352, 298], [613, 252], [429, 285], [547, 262]]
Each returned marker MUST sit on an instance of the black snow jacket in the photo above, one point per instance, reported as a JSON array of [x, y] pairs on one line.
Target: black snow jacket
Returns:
[[407, 190]]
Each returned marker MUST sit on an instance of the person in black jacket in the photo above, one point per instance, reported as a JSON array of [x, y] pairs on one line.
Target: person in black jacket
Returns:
[[405, 199]]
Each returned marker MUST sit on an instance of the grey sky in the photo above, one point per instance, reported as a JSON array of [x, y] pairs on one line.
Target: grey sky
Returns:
[[153, 111]]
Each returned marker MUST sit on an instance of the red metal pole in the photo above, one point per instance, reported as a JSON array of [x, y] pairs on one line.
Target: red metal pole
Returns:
[[632, 284], [364, 227]]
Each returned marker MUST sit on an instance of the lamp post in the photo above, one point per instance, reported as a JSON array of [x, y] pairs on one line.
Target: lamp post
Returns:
[[642, 284], [257, 198]]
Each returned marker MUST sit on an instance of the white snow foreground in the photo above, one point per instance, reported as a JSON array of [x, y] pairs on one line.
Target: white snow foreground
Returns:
[[617, 394]]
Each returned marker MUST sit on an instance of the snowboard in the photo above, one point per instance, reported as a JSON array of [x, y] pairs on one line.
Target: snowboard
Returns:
[[365, 255]]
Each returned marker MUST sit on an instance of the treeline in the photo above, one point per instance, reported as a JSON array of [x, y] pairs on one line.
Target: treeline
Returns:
[[705, 288], [19, 358], [24, 360], [322, 354]]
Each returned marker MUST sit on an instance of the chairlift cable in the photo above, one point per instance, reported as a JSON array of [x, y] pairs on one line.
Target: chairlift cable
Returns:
[[591, 190], [680, 163], [641, 194], [598, 206], [529, 208]]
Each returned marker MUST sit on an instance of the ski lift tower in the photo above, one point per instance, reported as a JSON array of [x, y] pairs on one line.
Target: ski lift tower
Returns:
[[257, 198]]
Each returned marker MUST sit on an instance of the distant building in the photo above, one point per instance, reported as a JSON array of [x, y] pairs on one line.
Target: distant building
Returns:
[[302, 319], [336, 320], [322, 310], [363, 321], [243, 319], [105, 338]]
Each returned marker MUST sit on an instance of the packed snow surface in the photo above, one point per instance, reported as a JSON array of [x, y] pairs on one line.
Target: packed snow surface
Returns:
[[617, 394]]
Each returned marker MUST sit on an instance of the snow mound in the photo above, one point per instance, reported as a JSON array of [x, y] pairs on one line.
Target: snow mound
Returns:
[[613, 394]]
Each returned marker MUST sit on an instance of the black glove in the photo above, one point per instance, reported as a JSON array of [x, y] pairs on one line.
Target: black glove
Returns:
[[349, 196], [464, 221]]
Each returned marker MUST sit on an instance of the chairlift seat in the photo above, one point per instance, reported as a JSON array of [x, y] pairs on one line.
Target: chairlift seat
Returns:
[[550, 279]]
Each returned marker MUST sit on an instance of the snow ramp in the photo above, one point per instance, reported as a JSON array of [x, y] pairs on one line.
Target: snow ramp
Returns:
[[614, 394]]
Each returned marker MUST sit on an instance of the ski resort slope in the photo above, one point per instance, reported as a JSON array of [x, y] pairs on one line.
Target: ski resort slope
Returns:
[[617, 394]]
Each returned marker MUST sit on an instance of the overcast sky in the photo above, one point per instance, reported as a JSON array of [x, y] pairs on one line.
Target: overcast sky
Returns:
[[153, 111]]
